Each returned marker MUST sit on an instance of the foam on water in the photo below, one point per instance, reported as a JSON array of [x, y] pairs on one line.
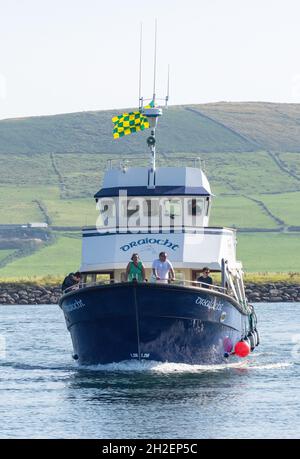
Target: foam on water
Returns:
[[271, 366], [169, 367], [160, 367], [42, 386]]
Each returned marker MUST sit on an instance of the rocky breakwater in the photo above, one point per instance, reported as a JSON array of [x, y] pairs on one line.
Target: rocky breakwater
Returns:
[[273, 292], [43, 294], [29, 294]]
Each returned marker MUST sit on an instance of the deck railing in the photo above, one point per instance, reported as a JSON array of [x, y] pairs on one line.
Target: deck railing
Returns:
[[180, 282], [162, 161]]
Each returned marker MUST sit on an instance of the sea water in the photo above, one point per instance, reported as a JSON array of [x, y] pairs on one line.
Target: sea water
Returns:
[[44, 394]]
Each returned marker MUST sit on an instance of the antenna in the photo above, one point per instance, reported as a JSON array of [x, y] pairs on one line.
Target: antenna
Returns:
[[168, 86], [140, 75], [151, 112], [155, 43]]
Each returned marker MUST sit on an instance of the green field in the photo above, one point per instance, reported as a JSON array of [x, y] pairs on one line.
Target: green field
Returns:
[[253, 175], [234, 183], [76, 212], [248, 173], [52, 166], [217, 127], [5, 253], [228, 210], [56, 259], [27, 170], [269, 252], [19, 204], [258, 252], [286, 206], [291, 161], [272, 126], [81, 174]]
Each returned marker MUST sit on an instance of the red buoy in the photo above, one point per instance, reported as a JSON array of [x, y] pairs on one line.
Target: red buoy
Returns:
[[242, 349]]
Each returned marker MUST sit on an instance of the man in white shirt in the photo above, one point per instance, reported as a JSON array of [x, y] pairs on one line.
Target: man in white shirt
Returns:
[[161, 269]]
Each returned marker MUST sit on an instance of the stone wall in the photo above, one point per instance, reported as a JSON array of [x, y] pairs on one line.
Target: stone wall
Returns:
[[272, 293], [33, 294], [29, 294]]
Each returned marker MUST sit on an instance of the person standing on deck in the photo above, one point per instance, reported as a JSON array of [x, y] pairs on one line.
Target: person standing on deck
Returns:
[[71, 281], [205, 279], [135, 271], [161, 269]]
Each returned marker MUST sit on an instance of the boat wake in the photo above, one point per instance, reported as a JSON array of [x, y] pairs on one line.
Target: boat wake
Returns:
[[159, 367], [271, 366], [35, 367], [169, 368], [153, 367]]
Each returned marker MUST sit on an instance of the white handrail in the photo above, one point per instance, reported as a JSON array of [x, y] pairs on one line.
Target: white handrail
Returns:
[[129, 160], [110, 281], [196, 282]]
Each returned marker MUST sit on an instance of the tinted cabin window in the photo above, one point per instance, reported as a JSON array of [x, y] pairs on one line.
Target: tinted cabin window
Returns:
[[207, 204], [103, 277], [196, 206], [151, 207], [130, 207], [173, 208]]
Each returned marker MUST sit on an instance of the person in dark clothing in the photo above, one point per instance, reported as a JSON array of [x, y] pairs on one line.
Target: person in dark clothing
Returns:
[[205, 279], [71, 280]]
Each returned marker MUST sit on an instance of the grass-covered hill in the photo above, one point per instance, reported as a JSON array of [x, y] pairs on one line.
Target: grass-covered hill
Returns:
[[51, 167], [219, 127]]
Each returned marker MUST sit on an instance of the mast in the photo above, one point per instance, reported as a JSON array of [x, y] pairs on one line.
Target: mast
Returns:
[[155, 49], [151, 112]]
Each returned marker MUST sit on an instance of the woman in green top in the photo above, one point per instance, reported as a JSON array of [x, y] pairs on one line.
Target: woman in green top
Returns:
[[135, 270]]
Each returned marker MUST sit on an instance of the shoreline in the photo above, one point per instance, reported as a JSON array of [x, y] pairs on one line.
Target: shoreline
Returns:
[[27, 293]]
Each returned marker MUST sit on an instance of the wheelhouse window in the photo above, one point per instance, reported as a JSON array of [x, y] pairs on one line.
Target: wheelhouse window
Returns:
[[107, 215], [151, 207], [207, 206], [130, 207], [173, 208], [195, 206], [145, 213], [96, 277]]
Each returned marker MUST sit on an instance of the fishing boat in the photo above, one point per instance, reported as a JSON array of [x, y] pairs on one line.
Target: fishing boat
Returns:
[[147, 209]]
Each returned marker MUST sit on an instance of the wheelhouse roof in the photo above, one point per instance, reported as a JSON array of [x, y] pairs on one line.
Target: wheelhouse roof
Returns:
[[169, 181]]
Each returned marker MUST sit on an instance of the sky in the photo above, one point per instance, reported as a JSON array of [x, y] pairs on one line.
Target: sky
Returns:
[[61, 56]]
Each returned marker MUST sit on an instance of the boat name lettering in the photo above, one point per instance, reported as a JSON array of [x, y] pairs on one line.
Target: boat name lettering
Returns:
[[143, 355], [146, 240], [77, 304], [209, 304]]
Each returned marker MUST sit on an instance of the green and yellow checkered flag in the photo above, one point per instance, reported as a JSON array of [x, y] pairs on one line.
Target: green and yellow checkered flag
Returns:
[[130, 122]]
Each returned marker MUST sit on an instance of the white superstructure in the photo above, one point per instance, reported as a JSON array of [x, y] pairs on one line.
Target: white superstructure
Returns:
[[147, 210], [172, 216]]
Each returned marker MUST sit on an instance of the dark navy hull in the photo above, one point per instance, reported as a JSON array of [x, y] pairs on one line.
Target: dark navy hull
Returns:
[[112, 323]]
